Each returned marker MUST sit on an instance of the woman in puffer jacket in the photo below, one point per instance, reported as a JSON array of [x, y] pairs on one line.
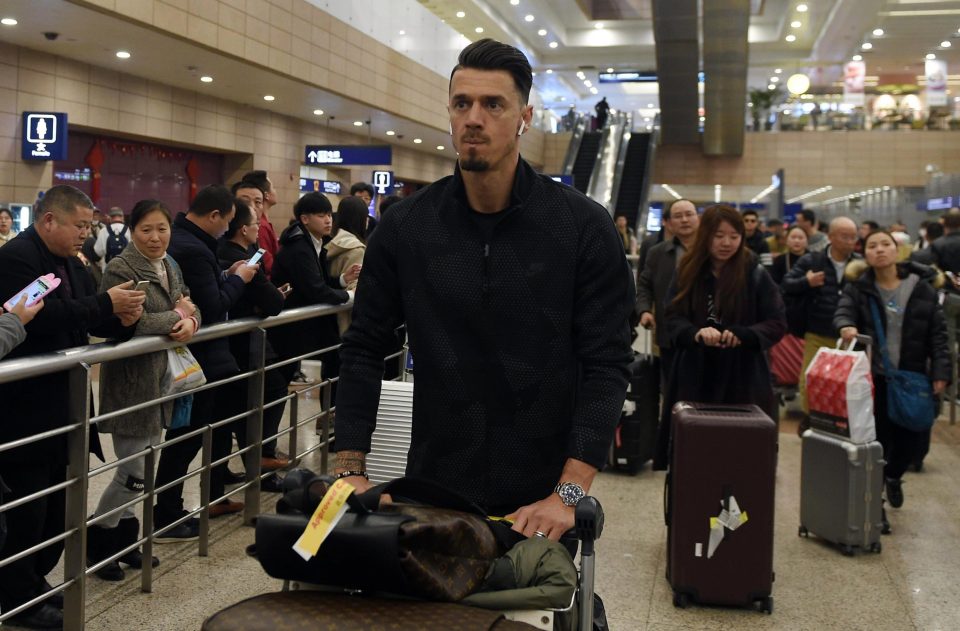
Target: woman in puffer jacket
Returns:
[[916, 335]]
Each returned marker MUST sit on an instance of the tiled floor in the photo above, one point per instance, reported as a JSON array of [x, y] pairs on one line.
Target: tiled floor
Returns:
[[912, 585]]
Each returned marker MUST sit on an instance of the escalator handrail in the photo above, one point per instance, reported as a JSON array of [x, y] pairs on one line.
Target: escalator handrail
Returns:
[[579, 129]]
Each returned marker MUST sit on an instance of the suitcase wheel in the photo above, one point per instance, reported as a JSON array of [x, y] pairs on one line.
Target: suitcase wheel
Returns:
[[876, 547], [847, 551], [803, 532], [681, 600], [766, 604]]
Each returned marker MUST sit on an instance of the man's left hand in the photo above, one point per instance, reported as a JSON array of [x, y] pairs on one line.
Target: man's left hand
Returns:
[[548, 516]]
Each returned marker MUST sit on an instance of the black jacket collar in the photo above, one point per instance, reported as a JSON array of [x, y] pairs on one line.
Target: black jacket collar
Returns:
[[523, 181], [185, 224]]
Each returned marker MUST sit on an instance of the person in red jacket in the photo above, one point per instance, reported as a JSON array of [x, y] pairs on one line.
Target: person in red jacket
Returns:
[[267, 238]]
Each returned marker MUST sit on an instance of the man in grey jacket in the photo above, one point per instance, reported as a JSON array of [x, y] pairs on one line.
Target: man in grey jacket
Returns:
[[658, 271]]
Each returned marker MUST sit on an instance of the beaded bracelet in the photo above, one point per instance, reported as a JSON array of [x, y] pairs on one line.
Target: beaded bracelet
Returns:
[[350, 474]]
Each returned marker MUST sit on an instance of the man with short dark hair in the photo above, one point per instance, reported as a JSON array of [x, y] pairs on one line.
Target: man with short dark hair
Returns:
[[816, 240], [517, 296], [193, 245], [267, 238], [776, 237], [40, 404], [755, 240], [366, 192]]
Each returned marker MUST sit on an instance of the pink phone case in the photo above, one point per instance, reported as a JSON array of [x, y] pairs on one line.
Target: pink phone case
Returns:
[[35, 291]]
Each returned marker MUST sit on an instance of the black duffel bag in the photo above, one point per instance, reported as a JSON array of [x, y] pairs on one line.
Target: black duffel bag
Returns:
[[428, 542]]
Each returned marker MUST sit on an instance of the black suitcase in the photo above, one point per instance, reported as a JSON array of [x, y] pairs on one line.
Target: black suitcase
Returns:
[[720, 503], [636, 437]]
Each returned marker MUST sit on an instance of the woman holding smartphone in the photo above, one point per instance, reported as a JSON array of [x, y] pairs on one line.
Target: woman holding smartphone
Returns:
[[723, 312], [125, 382]]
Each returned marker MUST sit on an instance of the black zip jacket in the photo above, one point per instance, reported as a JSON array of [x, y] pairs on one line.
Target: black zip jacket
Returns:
[[923, 341], [521, 340], [195, 252], [821, 302]]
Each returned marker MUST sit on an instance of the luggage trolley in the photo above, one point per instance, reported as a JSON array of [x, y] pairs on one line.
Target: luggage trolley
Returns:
[[300, 604]]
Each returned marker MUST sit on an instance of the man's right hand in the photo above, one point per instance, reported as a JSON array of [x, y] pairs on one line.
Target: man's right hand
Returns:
[[646, 320], [244, 271], [126, 299], [815, 279]]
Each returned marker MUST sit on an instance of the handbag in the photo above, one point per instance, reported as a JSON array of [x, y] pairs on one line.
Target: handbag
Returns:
[[910, 400], [840, 394], [183, 372], [428, 543], [180, 416]]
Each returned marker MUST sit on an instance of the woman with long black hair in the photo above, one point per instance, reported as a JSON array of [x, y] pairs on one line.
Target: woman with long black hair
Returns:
[[723, 312]]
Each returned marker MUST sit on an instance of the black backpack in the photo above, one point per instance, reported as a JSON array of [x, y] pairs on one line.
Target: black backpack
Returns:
[[115, 242]]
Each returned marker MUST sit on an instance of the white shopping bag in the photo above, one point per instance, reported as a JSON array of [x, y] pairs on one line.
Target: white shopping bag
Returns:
[[840, 394]]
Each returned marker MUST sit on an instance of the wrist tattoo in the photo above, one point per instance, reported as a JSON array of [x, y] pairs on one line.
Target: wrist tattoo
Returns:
[[352, 460]]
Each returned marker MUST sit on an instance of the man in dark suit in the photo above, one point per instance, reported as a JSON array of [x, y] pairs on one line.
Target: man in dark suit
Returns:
[[657, 273], [72, 312]]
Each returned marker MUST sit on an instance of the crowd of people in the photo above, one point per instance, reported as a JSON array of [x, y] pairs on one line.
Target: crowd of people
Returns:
[[153, 272], [724, 297]]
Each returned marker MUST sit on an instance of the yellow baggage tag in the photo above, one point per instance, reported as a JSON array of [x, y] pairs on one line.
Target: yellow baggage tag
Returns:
[[328, 513]]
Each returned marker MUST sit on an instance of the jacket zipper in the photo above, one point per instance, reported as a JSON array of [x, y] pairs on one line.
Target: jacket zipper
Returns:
[[486, 273]]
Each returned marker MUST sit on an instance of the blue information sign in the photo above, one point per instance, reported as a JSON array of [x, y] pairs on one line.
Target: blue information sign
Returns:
[[308, 185], [383, 181], [348, 154], [628, 76], [44, 136], [563, 179]]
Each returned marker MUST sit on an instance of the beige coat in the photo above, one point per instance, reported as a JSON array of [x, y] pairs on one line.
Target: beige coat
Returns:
[[343, 251], [133, 380]]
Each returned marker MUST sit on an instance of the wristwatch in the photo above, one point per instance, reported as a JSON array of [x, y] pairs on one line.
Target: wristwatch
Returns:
[[570, 493]]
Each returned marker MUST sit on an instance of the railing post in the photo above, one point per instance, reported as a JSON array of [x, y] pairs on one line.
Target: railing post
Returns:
[[254, 425], [293, 446], [325, 426], [205, 473], [149, 484], [78, 464]]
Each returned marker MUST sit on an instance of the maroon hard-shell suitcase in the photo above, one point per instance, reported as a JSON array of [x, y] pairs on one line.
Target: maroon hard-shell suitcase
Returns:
[[719, 505]]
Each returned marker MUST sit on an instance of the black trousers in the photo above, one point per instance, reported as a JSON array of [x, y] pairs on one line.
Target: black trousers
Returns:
[[901, 447], [175, 460], [28, 525]]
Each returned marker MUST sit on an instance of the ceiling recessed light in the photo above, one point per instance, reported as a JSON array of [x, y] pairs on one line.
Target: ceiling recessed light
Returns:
[[549, 71], [461, 14], [318, 112], [9, 22], [593, 91], [122, 54], [479, 29], [534, 73], [774, 79], [268, 97], [417, 141], [609, 69], [791, 38], [931, 56], [358, 123], [795, 24], [553, 44], [580, 75], [771, 87], [542, 32], [206, 79], [390, 132], [945, 44], [529, 17], [866, 46], [587, 83], [878, 32], [514, 2], [403, 32], [649, 106], [801, 8], [440, 147], [858, 57]]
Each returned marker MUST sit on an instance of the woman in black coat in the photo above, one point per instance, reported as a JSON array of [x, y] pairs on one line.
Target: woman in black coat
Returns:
[[723, 312], [916, 335]]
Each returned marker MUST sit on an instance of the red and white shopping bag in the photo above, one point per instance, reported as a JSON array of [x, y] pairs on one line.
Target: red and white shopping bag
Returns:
[[840, 394]]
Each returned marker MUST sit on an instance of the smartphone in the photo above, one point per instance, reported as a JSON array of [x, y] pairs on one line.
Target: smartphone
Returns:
[[35, 291], [256, 257], [142, 285]]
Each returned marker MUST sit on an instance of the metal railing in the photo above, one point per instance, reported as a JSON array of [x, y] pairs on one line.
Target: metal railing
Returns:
[[76, 427]]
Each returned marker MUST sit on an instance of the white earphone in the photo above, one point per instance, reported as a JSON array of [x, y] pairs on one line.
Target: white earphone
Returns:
[[450, 125], [523, 126]]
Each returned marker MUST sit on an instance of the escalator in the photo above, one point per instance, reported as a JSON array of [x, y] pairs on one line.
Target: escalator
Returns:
[[586, 158], [634, 178]]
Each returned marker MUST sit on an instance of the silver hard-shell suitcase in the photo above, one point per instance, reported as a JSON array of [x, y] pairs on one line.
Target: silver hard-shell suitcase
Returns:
[[840, 491]]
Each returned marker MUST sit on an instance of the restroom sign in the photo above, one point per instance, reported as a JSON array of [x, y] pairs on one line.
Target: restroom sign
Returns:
[[383, 181], [44, 136]]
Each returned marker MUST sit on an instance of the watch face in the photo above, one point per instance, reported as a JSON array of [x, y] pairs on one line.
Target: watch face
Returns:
[[570, 493]]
